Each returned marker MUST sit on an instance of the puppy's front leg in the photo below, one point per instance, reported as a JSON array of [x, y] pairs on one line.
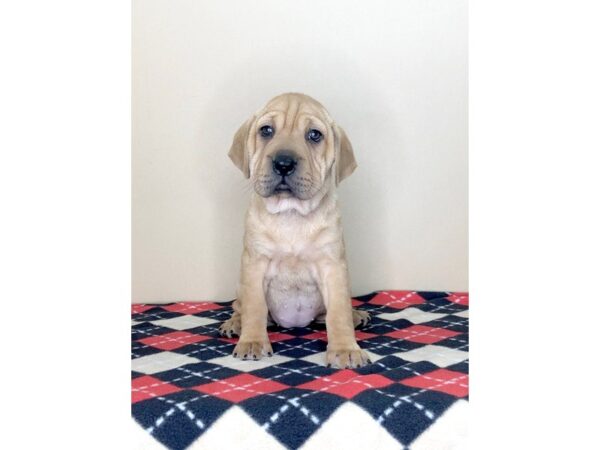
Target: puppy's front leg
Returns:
[[342, 349], [254, 340]]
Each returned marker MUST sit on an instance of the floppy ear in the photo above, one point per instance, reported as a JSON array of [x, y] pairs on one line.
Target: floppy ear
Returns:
[[239, 152], [345, 162]]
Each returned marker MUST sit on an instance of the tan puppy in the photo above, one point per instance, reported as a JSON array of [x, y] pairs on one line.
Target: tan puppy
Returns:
[[294, 262]]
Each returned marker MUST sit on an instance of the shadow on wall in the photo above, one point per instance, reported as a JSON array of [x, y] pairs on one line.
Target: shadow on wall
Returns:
[[340, 83]]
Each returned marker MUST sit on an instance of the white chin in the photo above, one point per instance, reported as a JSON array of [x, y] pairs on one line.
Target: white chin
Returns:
[[285, 202]]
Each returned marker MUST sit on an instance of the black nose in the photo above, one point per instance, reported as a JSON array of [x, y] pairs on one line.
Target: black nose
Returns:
[[283, 164]]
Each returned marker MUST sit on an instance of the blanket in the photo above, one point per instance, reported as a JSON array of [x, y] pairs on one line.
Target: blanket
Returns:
[[184, 379]]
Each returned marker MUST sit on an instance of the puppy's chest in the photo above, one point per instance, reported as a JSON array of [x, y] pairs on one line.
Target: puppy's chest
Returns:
[[292, 292], [295, 250], [291, 280]]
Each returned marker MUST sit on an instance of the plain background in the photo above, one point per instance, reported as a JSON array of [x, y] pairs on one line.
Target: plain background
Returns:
[[392, 74]]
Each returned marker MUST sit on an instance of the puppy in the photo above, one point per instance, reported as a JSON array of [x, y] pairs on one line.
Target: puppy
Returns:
[[294, 263]]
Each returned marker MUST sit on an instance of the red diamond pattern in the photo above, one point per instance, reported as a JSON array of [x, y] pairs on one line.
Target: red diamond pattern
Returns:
[[442, 380], [240, 387], [423, 334], [173, 340], [191, 308], [397, 299], [137, 308], [277, 337], [461, 298], [322, 335], [346, 383], [362, 335], [146, 387]]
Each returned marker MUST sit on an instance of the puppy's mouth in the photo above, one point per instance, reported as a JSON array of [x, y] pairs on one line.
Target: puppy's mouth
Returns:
[[283, 189]]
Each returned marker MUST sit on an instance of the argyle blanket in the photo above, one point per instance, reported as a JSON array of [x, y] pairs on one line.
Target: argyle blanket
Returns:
[[184, 378]]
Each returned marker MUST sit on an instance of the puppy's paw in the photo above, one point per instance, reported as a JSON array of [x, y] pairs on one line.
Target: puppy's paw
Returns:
[[360, 318], [342, 358], [252, 349], [231, 326]]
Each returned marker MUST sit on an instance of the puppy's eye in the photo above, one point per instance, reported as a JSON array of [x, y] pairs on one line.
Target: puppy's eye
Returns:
[[314, 135], [267, 131]]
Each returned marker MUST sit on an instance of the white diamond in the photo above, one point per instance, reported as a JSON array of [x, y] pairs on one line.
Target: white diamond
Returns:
[[413, 315], [232, 430], [160, 362], [249, 365], [316, 358], [321, 359], [436, 354], [448, 432], [335, 432], [183, 322]]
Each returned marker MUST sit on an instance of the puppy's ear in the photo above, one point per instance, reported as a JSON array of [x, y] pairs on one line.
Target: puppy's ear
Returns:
[[239, 151], [345, 162]]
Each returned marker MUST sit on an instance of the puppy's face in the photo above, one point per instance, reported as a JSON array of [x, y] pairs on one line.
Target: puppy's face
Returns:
[[292, 149]]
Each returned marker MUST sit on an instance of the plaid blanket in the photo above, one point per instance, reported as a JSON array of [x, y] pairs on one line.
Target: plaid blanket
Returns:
[[184, 378]]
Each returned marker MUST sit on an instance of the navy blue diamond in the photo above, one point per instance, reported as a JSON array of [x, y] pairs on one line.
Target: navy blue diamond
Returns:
[[138, 350], [293, 373], [220, 315], [177, 430], [153, 314], [410, 369], [192, 375], [407, 420], [381, 326], [432, 295], [460, 326], [205, 350], [462, 367], [212, 329], [385, 345], [386, 363], [292, 427], [460, 342], [298, 347], [146, 330]]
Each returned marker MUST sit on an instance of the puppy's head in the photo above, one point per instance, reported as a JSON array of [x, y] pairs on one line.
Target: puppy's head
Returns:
[[292, 149]]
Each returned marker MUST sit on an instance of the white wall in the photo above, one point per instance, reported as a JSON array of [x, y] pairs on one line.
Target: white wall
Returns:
[[392, 73]]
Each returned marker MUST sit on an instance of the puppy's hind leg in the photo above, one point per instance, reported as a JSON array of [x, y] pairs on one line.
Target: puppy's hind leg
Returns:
[[233, 325], [360, 318]]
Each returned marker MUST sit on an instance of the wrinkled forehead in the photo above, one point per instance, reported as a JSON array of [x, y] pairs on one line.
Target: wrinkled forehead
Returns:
[[291, 112]]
